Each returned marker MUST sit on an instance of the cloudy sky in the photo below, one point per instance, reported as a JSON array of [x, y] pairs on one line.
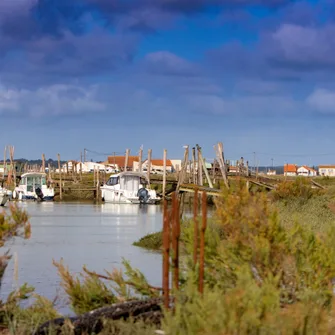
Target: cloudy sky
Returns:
[[107, 75]]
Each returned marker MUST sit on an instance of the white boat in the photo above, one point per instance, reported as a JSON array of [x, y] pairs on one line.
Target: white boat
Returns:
[[33, 186], [5, 196], [129, 188]]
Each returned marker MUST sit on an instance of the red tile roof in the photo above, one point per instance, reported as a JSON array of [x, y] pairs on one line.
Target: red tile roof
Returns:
[[120, 160], [326, 166], [290, 168], [159, 162]]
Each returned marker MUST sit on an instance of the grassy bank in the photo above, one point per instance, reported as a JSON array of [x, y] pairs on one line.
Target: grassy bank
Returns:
[[269, 269]]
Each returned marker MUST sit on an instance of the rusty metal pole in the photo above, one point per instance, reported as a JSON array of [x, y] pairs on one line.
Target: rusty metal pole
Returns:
[[196, 226], [202, 243], [166, 254], [175, 240]]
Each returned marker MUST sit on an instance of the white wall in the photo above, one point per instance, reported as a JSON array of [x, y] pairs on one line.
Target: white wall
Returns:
[[330, 172]]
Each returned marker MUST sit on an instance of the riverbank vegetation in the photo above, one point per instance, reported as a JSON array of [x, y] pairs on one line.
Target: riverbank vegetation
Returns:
[[269, 269]]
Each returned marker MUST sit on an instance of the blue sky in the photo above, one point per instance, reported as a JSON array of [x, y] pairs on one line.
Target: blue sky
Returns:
[[106, 75]]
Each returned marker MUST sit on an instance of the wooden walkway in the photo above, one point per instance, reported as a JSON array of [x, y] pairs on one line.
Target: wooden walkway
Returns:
[[191, 189]]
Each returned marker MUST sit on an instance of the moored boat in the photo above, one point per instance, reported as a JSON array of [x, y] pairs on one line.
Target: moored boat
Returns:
[[33, 186], [130, 188]]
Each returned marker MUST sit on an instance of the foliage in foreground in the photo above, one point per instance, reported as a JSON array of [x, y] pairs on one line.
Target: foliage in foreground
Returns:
[[262, 276]]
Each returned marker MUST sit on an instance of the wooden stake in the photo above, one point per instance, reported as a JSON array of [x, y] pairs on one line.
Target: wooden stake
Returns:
[[196, 227], [164, 172], [202, 243], [98, 184], [200, 179], [81, 167], [4, 163], [140, 160], [149, 164], [220, 157], [183, 169], [49, 172], [43, 163], [60, 178], [126, 160], [204, 167], [194, 170], [166, 255]]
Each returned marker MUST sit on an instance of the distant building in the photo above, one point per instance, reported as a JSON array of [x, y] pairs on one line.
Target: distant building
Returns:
[[306, 171], [327, 170], [271, 172], [119, 161], [290, 170], [157, 166]]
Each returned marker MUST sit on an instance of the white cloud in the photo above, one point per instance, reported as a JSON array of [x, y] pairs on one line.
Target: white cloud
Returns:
[[50, 101], [322, 100]]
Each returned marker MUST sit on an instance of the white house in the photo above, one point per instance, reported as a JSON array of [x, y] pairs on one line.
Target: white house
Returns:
[[306, 171], [157, 165], [271, 172], [327, 170], [90, 167]]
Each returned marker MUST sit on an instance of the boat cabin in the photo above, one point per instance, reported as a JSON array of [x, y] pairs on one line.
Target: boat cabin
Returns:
[[129, 181], [32, 181]]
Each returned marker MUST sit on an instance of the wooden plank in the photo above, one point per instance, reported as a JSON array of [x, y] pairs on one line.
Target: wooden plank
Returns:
[[191, 189]]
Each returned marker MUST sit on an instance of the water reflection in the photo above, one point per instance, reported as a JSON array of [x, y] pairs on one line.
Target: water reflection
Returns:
[[98, 236]]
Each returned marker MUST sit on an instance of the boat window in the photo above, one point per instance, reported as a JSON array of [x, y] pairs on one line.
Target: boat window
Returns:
[[44, 182], [130, 183], [37, 181], [113, 181], [30, 184], [23, 181]]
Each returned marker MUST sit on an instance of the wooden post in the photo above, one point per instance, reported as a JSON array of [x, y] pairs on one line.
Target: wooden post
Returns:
[[220, 157], [200, 179], [166, 255], [49, 172], [4, 163], [81, 167], [202, 243], [94, 184], [213, 170], [140, 160], [12, 163], [43, 163], [126, 160], [196, 226], [60, 178], [98, 184], [204, 167], [183, 170], [164, 172], [67, 168], [149, 164], [194, 170]]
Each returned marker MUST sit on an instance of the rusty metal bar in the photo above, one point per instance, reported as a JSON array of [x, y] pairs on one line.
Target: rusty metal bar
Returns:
[[196, 226], [166, 254], [202, 243], [175, 239]]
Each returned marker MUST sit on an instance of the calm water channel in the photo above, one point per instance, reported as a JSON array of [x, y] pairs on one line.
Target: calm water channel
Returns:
[[98, 236]]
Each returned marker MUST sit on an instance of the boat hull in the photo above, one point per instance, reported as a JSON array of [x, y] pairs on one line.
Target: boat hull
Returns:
[[32, 198], [4, 198], [116, 197]]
